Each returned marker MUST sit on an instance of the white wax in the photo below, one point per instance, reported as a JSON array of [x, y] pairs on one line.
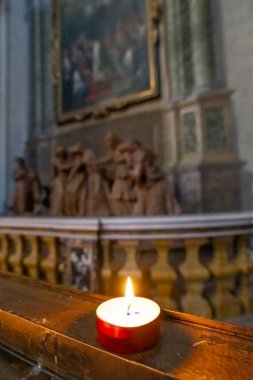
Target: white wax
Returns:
[[117, 312]]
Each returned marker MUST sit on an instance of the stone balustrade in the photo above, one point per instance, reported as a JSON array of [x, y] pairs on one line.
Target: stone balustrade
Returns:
[[197, 264]]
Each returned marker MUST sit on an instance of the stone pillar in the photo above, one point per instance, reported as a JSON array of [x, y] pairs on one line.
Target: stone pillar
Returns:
[[200, 113], [15, 91], [172, 47], [39, 147], [180, 47], [48, 93], [202, 48], [208, 160], [41, 21], [3, 100], [37, 62]]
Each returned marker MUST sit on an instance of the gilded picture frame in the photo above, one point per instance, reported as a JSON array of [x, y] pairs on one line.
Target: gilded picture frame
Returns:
[[105, 56]]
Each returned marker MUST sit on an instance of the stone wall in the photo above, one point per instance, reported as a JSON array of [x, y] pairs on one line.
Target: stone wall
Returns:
[[185, 75]]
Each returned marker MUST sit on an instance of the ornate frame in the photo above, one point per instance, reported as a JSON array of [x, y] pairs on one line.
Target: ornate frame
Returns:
[[104, 108]]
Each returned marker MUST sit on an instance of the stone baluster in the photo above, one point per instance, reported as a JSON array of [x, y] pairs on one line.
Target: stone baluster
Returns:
[[63, 265], [194, 274], [91, 248], [4, 252], [224, 271], [243, 266], [31, 260], [163, 275], [106, 272], [50, 262], [130, 267], [15, 259]]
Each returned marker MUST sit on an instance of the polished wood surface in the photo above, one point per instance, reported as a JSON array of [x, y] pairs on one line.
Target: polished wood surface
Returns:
[[56, 326]]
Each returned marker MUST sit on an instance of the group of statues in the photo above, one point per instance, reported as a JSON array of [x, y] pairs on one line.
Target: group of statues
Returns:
[[83, 186], [127, 181]]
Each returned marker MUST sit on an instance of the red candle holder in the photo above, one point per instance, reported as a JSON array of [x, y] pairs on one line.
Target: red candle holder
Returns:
[[128, 331]]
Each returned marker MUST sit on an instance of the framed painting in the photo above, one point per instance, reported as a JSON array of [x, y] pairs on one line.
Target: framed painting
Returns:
[[104, 55]]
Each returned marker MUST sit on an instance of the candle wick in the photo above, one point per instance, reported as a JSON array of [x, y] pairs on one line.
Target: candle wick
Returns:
[[128, 310]]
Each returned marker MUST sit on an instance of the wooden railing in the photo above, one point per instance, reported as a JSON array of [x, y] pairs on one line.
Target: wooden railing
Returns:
[[49, 332], [197, 264]]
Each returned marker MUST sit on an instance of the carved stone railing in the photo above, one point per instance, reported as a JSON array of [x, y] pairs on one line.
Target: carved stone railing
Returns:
[[196, 264]]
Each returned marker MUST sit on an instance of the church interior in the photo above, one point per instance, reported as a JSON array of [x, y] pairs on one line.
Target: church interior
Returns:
[[126, 158]]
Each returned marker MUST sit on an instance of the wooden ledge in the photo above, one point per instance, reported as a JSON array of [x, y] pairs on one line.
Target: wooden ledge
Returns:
[[55, 326]]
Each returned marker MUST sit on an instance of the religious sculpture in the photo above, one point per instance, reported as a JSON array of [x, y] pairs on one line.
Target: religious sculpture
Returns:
[[75, 199], [61, 168], [97, 188], [81, 187], [34, 191], [122, 193], [26, 195], [152, 188]]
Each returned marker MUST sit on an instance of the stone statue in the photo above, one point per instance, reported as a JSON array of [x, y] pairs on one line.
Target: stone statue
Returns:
[[122, 194], [97, 188], [20, 200], [75, 199], [26, 195], [79, 187], [61, 168], [152, 188], [34, 191]]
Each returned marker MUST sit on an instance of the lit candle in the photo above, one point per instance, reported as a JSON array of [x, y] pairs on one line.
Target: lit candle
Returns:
[[128, 324]]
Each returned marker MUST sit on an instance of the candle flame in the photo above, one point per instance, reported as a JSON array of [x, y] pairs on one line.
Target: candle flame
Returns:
[[129, 288]]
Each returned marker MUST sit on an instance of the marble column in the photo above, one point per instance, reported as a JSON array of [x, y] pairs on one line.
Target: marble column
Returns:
[[172, 48], [179, 48], [202, 45]]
